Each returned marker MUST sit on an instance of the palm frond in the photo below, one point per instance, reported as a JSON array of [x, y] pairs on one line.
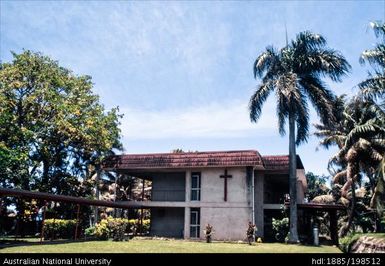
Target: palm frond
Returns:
[[302, 119], [265, 61], [327, 63], [305, 58], [257, 100], [360, 131], [282, 116], [321, 97], [375, 57], [373, 87], [378, 28], [377, 200], [307, 40], [332, 139]]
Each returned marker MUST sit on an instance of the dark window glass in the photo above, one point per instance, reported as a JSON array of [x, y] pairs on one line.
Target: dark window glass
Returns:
[[194, 222], [194, 181], [195, 186]]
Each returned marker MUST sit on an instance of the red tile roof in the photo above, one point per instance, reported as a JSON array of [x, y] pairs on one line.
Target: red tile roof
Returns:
[[184, 160], [279, 162], [198, 159]]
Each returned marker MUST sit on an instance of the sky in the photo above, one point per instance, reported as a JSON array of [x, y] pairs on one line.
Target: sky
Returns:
[[181, 71]]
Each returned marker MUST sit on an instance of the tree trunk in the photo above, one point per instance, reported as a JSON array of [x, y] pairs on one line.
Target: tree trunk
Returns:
[[293, 234], [346, 228], [45, 175], [97, 192]]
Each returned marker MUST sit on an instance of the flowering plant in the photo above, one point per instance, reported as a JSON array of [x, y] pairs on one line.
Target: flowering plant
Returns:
[[208, 232]]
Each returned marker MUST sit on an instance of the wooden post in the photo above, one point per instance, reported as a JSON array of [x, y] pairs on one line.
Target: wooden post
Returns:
[[1, 204], [17, 220], [1, 207], [42, 223], [333, 227], [54, 221], [97, 192], [77, 222]]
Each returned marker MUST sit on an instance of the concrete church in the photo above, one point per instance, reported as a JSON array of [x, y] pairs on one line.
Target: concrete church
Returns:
[[226, 189]]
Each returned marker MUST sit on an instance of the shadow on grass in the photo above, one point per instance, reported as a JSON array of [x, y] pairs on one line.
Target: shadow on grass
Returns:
[[7, 243]]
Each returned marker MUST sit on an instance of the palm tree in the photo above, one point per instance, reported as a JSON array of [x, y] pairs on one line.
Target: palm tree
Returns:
[[374, 85], [378, 198], [294, 73], [359, 136], [373, 88], [333, 133]]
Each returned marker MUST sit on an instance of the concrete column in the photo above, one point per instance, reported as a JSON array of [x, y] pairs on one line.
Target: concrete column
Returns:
[[188, 186], [186, 223], [258, 197], [187, 209]]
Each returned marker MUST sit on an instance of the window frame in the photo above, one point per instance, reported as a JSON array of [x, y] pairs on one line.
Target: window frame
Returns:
[[196, 190], [195, 227]]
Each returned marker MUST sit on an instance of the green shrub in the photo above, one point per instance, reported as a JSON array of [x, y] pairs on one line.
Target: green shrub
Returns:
[[116, 228], [90, 231], [102, 231], [134, 225], [281, 229], [347, 242], [59, 228]]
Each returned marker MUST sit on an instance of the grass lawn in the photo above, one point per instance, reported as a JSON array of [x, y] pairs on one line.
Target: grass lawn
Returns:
[[165, 246], [376, 235]]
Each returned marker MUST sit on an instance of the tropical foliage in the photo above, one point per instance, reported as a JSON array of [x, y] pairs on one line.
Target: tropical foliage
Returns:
[[316, 185], [59, 229], [374, 85], [281, 229], [116, 228], [53, 130], [295, 74], [359, 133]]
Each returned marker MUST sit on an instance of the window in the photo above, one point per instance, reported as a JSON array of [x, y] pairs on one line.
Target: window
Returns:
[[196, 186], [194, 223]]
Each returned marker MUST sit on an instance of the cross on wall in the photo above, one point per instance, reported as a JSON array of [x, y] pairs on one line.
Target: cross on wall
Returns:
[[225, 176]]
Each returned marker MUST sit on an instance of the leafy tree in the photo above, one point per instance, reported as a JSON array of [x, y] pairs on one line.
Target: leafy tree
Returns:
[[316, 185], [53, 130], [178, 150], [295, 74]]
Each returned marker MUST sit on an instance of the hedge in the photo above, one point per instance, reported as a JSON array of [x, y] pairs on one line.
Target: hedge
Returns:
[[59, 228], [116, 228]]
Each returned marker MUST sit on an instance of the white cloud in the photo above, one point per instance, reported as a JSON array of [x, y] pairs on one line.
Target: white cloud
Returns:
[[217, 120]]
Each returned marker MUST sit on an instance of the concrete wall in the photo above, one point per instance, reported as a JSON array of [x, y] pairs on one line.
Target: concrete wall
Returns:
[[168, 187], [229, 218], [259, 178], [167, 222], [228, 223], [212, 186]]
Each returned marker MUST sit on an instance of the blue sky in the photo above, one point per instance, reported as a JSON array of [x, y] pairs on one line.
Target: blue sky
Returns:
[[181, 72]]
